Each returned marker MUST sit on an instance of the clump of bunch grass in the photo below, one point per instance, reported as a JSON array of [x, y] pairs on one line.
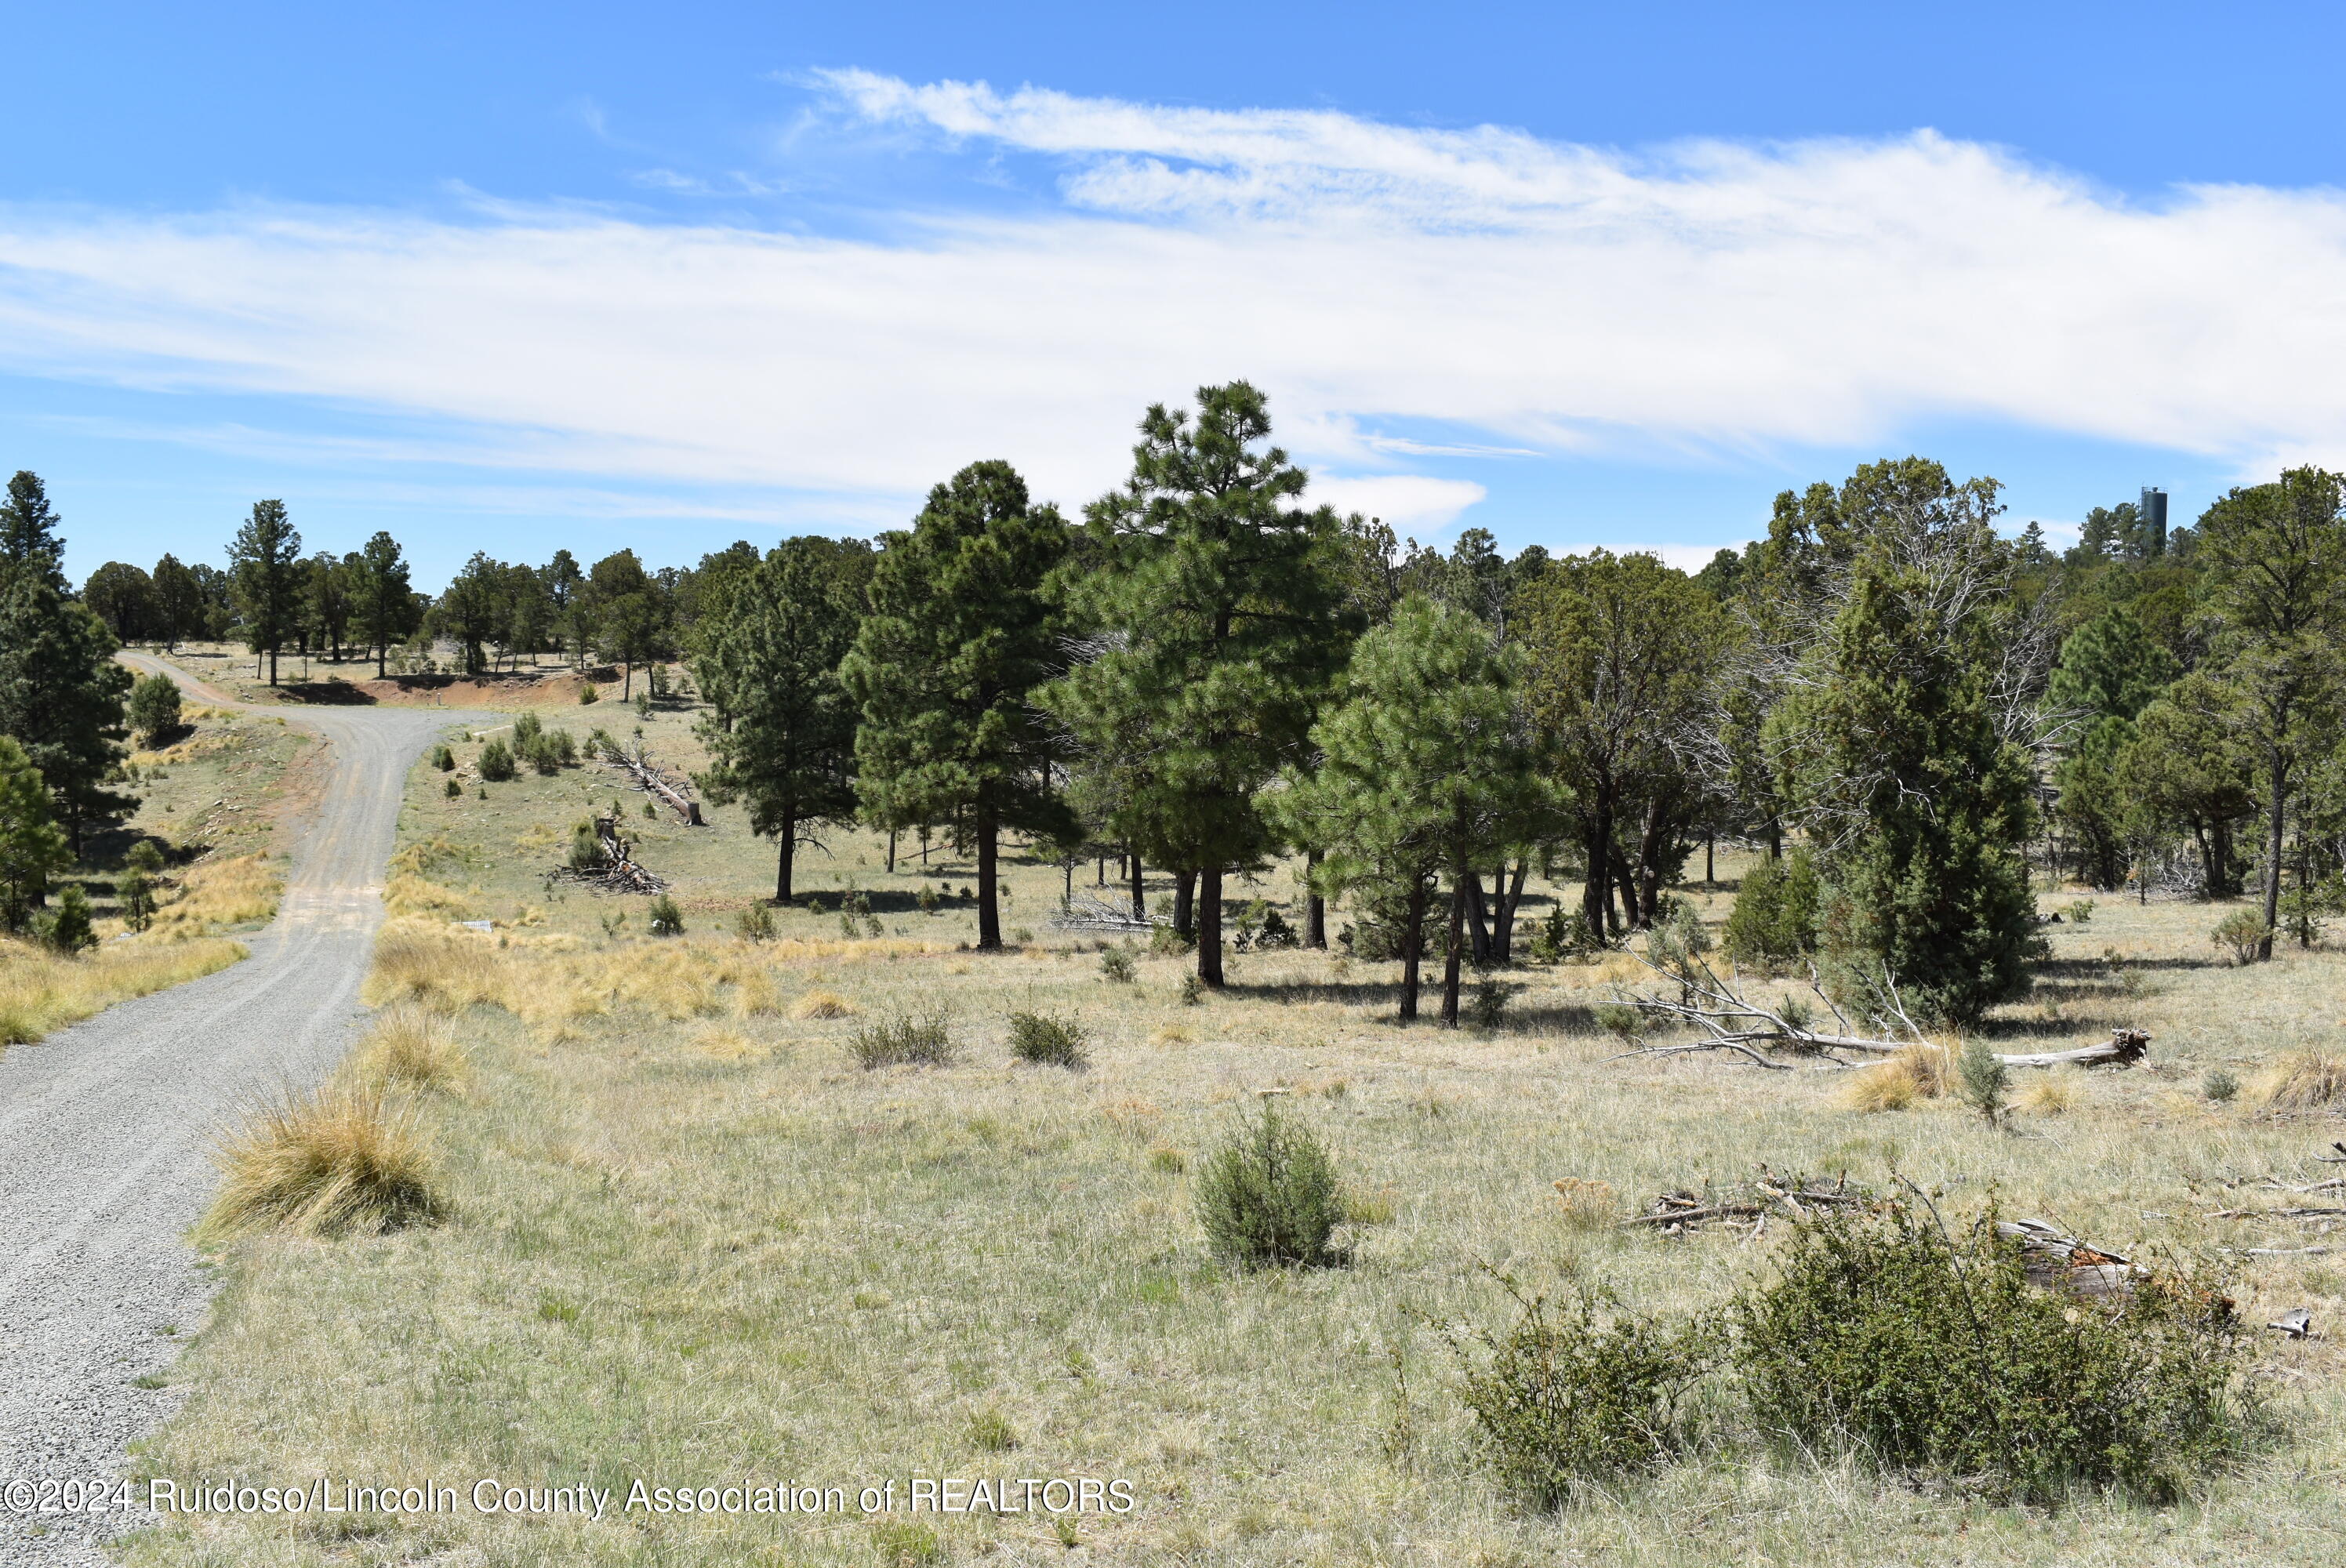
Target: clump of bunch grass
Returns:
[[2307, 1081], [2220, 1085], [1580, 1394], [1269, 1195], [1918, 1071], [904, 1040], [1928, 1350], [414, 1047], [822, 1005], [2053, 1093], [339, 1161], [1049, 1041]]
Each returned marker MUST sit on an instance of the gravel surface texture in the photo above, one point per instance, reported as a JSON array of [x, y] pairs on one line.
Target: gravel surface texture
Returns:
[[106, 1133]]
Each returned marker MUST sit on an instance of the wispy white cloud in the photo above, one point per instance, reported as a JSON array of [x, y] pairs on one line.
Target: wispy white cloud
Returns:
[[1530, 297]]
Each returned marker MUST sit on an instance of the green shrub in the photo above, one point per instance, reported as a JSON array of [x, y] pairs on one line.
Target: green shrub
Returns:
[[666, 918], [1619, 1019], [927, 898], [1563, 936], [1982, 1079], [452, 790], [1490, 1005], [137, 893], [444, 759], [154, 706], [1048, 1041], [756, 923], [1115, 962], [1167, 942], [1569, 1396], [586, 847], [586, 695], [2244, 932], [1774, 923], [68, 927], [2220, 1085], [1919, 1350], [815, 906], [1269, 1195], [2081, 912], [496, 762], [527, 730], [1193, 990], [904, 1040], [147, 856], [643, 705]]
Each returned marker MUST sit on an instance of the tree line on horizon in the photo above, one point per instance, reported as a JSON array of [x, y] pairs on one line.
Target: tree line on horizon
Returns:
[[1905, 708]]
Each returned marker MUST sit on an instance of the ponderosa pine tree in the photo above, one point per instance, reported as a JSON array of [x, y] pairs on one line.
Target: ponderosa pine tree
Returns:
[[266, 560], [2110, 669], [2278, 558], [2184, 769], [1218, 614], [31, 848], [61, 696], [1896, 766], [772, 669], [1423, 771], [471, 611], [959, 634], [179, 603], [625, 614], [383, 601], [1623, 656], [28, 531]]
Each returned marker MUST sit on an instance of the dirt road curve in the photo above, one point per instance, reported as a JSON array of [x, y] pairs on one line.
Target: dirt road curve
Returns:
[[106, 1129]]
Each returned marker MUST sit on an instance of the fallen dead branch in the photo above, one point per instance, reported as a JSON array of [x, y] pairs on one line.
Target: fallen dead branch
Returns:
[[1730, 1020], [651, 779], [618, 872], [1754, 1200], [1086, 911]]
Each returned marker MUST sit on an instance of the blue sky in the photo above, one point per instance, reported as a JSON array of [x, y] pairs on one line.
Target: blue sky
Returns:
[[522, 277]]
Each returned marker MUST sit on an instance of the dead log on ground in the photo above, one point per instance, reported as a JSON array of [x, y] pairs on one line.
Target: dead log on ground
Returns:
[[652, 780], [618, 872], [2055, 1261]]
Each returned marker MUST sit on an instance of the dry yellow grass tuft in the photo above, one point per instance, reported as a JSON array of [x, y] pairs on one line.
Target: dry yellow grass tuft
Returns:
[[1923, 1072], [2309, 1080], [340, 1161], [2054, 1094], [1173, 1035], [235, 891], [411, 1046], [41, 990], [757, 996], [822, 1005], [1588, 1205]]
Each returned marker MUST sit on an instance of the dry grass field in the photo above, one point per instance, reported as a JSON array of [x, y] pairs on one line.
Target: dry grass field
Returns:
[[215, 797], [687, 1239]]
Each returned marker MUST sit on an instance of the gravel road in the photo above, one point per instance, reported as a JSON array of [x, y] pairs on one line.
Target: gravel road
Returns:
[[106, 1129]]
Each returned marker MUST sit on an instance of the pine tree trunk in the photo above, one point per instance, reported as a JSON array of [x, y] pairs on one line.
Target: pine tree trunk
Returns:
[[1315, 908], [1412, 954], [381, 651], [2275, 841], [1457, 941], [1139, 902], [1503, 931], [790, 838], [1595, 891], [1478, 921], [272, 666], [989, 917], [1185, 889], [892, 851], [1210, 926]]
